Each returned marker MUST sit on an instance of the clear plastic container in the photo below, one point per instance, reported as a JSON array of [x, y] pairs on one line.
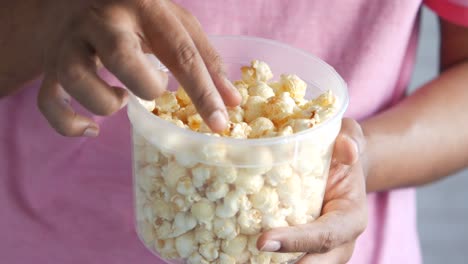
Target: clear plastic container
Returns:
[[205, 199]]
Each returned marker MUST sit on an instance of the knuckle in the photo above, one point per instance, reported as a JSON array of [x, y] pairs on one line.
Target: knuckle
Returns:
[[326, 242], [186, 55], [122, 50], [215, 62], [204, 97], [70, 74]]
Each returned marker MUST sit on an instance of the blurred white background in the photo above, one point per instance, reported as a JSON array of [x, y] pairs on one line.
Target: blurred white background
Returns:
[[442, 207]]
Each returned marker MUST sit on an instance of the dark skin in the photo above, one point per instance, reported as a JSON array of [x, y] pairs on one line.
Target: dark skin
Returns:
[[66, 41]]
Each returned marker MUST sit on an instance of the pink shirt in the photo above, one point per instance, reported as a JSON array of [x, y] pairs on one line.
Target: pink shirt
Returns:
[[69, 201]]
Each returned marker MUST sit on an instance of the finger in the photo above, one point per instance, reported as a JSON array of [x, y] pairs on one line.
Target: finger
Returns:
[[178, 52], [340, 255], [54, 103], [349, 143], [211, 57], [119, 49], [77, 73], [324, 234]]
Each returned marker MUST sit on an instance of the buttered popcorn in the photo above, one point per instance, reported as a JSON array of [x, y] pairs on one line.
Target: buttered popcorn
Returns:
[[208, 213]]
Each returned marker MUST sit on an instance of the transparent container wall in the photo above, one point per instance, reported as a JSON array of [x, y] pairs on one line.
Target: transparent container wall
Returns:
[[202, 199]]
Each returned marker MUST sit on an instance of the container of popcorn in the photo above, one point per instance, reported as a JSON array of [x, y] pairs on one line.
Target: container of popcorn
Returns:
[[205, 198]]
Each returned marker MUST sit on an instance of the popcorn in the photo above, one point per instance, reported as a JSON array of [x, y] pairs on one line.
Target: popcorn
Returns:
[[216, 191], [278, 174], [183, 223], [261, 89], [203, 211], [278, 108], [182, 97], [203, 235], [226, 259], [210, 250], [258, 71], [202, 205], [249, 221], [266, 200], [235, 246], [249, 183], [148, 105], [236, 114], [261, 126], [185, 244], [293, 85], [240, 130], [167, 103], [200, 175], [225, 228], [254, 108]]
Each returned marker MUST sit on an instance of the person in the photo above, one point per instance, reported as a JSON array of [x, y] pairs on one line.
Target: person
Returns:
[[69, 200]]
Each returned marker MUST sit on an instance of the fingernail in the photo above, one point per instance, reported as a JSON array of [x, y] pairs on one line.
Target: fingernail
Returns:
[[271, 246], [218, 120], [91, 132]]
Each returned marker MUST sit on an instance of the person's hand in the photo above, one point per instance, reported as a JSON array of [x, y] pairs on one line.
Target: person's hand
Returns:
[[331, 237], [116, 33]]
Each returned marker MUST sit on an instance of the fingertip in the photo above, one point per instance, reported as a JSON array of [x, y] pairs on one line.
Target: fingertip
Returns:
[[346, 150], [231, 96], [217, 121], [91, 131]]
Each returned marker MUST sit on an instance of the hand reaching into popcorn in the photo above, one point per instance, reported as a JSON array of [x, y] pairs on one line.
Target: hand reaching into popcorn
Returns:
[[117, 34], [331, 238]]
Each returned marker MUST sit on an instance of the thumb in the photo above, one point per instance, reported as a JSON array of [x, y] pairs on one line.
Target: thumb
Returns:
[[350, 143]]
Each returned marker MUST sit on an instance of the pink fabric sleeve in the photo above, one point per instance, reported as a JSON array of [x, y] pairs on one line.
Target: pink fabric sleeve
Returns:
[[455, 11]]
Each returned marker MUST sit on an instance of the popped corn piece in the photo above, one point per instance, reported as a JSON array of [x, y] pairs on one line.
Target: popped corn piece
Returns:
[[261, 89], [147, 232], [244, 92], [292, 84], [180, 204], [284, 257], [213, 153], [236, 114], [185, 244], [167, 102], [258, 71], [210, 250], [249, 221], [148, 105], [183, 222], [265, 200], [285, 131], [235, 246], [301, 124], [230, 205], [261, 126], [166, 248], [194, 122], [182, 97], [299, 216], [200, 174], [146, 177], [203, 235], [289, 191], [163, 209], [250, 183], [252, 245], [184, 112], [274, 220], [172, 172], [279, 108], [240, 130], [262, 258], [186, 158], [203, 211], [326, 99], [196, 258], [244, 257], [163, 229], [225, 228], [227, 174], [185, 186], [278, 174], [254, 108], [216, 191], [226, 259]]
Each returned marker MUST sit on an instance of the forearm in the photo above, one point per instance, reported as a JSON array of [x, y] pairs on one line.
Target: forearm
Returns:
[[422, 139]]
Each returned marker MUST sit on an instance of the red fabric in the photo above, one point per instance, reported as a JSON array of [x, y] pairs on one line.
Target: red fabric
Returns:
[[451, 10]]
